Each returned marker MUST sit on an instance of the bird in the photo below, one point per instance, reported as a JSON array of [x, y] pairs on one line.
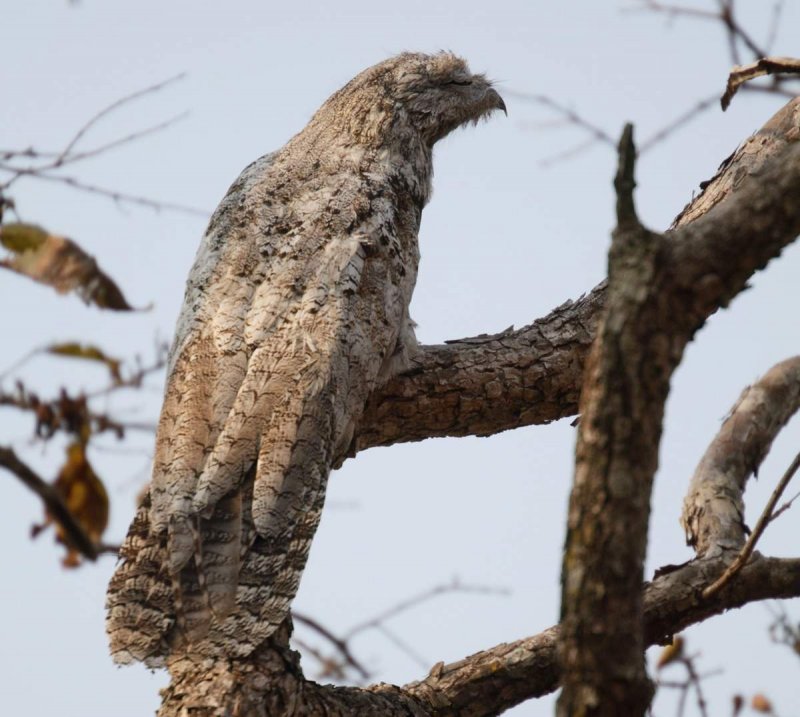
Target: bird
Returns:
[[295, 311]]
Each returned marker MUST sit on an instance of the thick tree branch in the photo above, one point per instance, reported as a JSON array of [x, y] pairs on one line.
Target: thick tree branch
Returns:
[[484, 684], [488, 384], [713, 510], [625, 387], [661, 290], [495, 680]]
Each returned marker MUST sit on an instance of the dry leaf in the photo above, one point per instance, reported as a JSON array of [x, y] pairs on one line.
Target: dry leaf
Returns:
[[671, 652], [85, 497], [765, 66], [88, 352], [761, 704], [61, 263]]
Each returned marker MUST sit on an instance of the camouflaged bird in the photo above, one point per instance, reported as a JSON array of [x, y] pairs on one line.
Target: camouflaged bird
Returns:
[[295, 310]]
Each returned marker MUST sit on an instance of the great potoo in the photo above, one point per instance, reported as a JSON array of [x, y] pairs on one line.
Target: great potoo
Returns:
[[295, 310]]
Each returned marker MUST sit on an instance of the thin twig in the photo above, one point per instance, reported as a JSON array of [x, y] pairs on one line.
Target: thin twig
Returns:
[[569, 115], [78, 539], [454, 586], [122, 197], [403, 646], [777, 10], [59, 160], [766, 517], [683, 119], [114, 106], [330, 668], [339, 643]]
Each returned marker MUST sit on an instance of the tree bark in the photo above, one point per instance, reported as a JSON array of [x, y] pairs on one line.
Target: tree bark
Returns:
[[622, 404], [270, 683], [713, 510]]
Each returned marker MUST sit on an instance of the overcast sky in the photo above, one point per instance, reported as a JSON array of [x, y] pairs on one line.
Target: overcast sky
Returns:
[[503, 241]]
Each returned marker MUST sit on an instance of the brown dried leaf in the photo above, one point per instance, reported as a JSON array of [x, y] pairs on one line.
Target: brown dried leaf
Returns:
[[765, 66], [84, 495], [671, 653], [88, 352], [61, 263], [761, 704]]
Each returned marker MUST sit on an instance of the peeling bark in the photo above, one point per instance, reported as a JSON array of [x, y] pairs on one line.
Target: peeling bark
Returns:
[[713, 510]]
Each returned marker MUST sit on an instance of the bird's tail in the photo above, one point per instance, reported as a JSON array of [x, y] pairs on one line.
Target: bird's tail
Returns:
[[152, 614], [140, 601]]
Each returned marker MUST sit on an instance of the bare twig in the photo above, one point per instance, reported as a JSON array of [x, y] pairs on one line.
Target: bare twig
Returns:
[[115, 106], [597, 135], [783, 631], [330, 667], [340, 644], [777, 11], [766, 517], [725, 15], [403, 646], [121, 197], [45, 165], [454, 586], [676, 124], [55, 506], [58, 159], [764, 66]]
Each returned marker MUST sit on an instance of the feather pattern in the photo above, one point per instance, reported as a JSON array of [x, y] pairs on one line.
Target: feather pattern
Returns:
[[295, 309]]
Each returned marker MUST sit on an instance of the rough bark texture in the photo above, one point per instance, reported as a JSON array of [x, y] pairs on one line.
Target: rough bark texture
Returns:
[[661, 290], [487, 384], [625, 386], [484, 385], [713, 510], [484, 684]]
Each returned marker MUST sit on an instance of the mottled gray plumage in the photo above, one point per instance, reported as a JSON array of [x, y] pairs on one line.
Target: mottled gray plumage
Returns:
[[295, 309]]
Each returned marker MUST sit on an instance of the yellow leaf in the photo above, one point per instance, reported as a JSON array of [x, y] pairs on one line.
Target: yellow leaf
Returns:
[[22, 237], [59, 262], [84, 495], [88, 352], [671, 653], [761, 704]]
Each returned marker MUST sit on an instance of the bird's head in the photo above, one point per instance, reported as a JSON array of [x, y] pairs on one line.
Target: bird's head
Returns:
[[439, 92], [430, 95]]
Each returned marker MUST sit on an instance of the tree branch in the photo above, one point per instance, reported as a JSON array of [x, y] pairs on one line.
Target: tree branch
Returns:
[[713, 510], [766, 517], [622, 403], [495, 680], [488, 384], [481, 685]]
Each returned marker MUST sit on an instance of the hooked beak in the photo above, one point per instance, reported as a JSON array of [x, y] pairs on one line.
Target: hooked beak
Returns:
[[495, 101]]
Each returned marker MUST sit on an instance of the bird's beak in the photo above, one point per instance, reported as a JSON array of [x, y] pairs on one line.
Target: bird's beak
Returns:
[[495, 101]]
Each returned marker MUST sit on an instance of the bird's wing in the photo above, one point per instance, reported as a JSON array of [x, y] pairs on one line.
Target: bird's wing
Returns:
[[282, 337]]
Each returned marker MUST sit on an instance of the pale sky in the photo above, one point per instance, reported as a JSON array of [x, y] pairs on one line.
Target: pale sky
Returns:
[[503, 241]]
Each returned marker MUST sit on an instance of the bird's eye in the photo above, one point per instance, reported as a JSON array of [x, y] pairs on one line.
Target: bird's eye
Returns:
[[459, 82]]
